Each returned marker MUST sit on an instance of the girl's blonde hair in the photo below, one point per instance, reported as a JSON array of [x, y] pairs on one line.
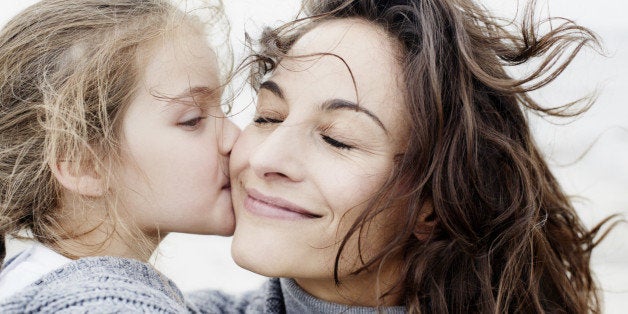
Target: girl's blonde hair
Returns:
[[68, 70]]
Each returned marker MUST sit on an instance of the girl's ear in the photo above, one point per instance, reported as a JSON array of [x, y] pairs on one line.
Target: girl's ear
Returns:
[[81, 180]]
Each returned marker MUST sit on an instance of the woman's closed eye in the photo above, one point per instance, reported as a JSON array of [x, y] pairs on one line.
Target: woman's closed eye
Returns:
[[264, 120], [336, 143]]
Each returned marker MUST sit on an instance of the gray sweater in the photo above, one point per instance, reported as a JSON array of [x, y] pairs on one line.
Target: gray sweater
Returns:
[[118, 285], [281, 296], [107, 285]]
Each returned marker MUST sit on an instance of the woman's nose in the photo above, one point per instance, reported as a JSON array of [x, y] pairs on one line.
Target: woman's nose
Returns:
[[279, 155]]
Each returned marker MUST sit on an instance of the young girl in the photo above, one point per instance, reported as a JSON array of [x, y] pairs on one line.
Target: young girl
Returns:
[[112, 137], [390, 166]]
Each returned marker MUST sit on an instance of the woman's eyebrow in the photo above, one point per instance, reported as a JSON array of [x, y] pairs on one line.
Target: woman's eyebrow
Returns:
[[341, 104], [328, 105], [272, 87]]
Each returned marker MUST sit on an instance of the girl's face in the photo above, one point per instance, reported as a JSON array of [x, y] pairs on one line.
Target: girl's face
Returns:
[[175, 156], [320, 146]]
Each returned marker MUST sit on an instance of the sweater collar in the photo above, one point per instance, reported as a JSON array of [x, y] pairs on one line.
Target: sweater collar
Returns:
[[298, 300]]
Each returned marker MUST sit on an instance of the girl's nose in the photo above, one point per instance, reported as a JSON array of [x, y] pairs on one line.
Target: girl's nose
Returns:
[[230, 133]]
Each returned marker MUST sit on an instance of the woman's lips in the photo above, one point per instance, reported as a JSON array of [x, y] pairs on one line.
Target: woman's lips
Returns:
[[273, 207]]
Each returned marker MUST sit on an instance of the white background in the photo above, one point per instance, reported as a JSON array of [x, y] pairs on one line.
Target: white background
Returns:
[[599, 179]]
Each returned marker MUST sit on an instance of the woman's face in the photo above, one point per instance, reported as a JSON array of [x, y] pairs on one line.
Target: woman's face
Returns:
[[320, 146], [175, 155]]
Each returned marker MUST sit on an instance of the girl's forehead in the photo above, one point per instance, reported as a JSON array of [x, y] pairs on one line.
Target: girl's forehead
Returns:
[[172, 57]]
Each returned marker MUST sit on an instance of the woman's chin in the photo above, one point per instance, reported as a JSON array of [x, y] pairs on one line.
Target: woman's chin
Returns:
[[258, 264], [251, 252]]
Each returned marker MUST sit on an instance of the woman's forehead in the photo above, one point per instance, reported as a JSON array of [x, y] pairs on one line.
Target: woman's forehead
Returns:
[[357, 41], [348, 52], [349, 59]]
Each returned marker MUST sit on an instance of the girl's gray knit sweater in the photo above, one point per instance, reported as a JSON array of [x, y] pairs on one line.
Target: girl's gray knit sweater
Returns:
[[107, 285]]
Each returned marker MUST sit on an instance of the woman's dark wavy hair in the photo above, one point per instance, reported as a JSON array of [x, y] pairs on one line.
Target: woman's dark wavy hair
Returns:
[[501, 236]]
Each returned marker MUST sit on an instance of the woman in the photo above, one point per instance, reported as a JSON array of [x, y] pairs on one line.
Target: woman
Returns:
[[390, 166]]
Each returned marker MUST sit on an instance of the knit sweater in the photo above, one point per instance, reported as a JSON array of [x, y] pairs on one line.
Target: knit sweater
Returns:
[[268, 300], [107, 285], [118, 285], [281, 296]]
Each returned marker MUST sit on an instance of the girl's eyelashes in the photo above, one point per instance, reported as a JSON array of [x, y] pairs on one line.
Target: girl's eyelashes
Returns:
[[189, 117], [192, 123], [335, 143]]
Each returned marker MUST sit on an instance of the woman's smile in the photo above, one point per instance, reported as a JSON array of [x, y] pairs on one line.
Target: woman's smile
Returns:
[[275, 207]]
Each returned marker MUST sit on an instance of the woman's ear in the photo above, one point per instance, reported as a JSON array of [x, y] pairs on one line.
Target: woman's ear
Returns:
[[426, 223], [78, 179]]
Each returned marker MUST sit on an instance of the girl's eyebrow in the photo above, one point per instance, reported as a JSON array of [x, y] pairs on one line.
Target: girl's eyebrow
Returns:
[[199, 90], [194, 92], [328, 105]]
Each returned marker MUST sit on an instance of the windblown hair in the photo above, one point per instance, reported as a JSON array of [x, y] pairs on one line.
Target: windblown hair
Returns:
[[68, 71], [502, 237]]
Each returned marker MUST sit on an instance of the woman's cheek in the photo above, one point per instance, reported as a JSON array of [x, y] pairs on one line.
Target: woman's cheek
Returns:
[[349, 185]]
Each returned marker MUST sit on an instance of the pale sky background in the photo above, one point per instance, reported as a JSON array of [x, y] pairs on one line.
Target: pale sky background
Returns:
[[599, 179]]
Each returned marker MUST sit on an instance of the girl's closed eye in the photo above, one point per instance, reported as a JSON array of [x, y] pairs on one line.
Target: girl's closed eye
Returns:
[[192, 121]]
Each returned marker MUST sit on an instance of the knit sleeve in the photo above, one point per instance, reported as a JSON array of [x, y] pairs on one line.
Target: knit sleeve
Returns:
[[211, 302], [104, 295], [265, 300], [100, 285]]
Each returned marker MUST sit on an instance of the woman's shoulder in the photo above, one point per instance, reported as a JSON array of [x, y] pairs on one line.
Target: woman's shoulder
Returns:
[[94, 283]]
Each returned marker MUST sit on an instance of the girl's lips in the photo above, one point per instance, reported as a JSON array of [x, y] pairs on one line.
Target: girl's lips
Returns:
[[273, 207], [227, 184]]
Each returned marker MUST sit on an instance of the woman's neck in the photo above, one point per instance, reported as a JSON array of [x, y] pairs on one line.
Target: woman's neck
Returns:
[[368, 289]]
